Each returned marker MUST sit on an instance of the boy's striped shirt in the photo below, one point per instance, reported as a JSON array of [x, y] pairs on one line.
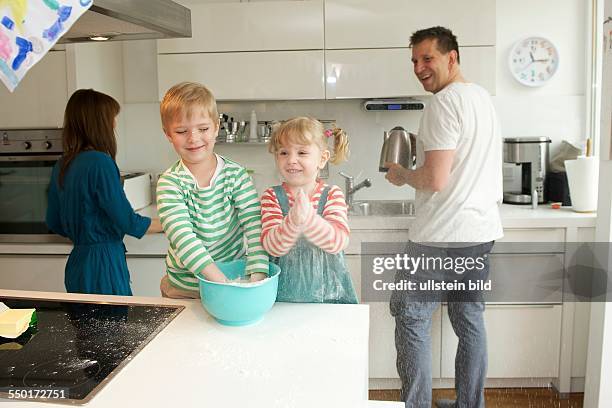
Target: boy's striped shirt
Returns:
[[209, 224]]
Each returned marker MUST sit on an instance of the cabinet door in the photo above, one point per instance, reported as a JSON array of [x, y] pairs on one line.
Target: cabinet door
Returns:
[[353, 263], [358, 237], [253, 26], [531, 240], [382, 355], [523, 341], [145, 275], [33, 272], [40, 98], [580, 345], [248, 76], [527, 278], [377, 73], [389, 23], [382, 342]]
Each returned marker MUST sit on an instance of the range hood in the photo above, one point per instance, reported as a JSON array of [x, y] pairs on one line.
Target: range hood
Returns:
[[120, 20]]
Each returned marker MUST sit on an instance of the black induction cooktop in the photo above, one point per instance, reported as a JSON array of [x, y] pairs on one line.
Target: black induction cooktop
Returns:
[[75, 348]]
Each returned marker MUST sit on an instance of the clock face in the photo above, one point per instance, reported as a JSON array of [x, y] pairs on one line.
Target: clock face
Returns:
[[533, 61]]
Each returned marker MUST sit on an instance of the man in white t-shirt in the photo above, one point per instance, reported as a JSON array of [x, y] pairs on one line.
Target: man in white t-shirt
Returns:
[[458, 182]]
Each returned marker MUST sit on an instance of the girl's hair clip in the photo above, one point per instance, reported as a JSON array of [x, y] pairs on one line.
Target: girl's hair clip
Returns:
[[329, 133]]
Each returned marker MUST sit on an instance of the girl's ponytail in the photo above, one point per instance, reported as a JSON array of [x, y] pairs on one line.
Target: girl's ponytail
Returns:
[[341, 150]]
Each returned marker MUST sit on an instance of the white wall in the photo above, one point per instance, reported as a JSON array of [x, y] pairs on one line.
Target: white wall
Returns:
[[100, 66], [556, 110]]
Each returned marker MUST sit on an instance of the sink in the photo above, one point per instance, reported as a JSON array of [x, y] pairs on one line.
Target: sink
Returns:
[[365, 208]]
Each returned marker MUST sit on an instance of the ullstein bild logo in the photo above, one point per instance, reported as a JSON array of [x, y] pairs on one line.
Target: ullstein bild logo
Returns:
[[508, 272], [432, 285]]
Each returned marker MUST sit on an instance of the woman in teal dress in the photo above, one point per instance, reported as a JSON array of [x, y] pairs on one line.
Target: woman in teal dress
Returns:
[[86, 200]]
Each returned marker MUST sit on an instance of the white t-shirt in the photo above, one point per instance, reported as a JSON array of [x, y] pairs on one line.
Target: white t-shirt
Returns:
[[461, 117]]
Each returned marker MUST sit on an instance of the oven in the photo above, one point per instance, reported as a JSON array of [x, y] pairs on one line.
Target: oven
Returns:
[[27, 157]]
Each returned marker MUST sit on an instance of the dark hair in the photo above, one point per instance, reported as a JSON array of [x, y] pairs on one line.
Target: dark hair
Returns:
[[89, 124], [447, 41]]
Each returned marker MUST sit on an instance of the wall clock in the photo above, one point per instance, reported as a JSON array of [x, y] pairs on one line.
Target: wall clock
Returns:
[[533, 61]]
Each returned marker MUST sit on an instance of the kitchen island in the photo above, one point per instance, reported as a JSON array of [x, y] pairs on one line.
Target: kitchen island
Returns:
[[300, 355]]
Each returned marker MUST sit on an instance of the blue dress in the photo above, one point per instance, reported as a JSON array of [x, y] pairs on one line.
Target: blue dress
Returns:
[[91, 209]]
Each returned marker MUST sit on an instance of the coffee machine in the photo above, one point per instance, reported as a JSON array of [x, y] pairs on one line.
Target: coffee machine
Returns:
[[531, 154]]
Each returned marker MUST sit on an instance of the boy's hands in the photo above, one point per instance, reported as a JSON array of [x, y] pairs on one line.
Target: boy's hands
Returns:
[[301, 210], [213, 273], [257, 276]]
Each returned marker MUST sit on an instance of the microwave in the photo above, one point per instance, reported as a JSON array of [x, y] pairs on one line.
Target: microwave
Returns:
[[137, 187]]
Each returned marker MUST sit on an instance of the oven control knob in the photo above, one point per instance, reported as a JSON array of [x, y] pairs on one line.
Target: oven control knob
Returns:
[[48, 145], [27, 145]]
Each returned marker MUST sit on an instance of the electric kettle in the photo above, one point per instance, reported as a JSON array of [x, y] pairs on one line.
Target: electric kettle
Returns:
[[396, 148]]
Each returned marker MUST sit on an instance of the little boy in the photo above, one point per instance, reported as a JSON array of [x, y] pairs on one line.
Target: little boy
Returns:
[[207, 204]]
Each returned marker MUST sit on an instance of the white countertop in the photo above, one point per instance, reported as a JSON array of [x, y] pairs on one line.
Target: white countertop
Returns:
[[513, 216], [300, 355]]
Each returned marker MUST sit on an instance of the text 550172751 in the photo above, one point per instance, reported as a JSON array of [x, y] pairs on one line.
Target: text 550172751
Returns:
[[28, 393]]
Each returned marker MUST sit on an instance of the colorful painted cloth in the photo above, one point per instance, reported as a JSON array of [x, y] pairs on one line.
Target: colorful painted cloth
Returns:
[[28, 29]]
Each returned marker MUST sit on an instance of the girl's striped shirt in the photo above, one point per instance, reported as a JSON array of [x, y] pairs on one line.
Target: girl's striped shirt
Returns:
[[209, 224], [329, 232]]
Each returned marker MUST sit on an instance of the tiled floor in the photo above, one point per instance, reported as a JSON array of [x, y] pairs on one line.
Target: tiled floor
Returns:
[[501, 397]]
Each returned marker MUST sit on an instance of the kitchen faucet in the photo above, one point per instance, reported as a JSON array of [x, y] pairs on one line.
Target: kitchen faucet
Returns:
[[350, 188]]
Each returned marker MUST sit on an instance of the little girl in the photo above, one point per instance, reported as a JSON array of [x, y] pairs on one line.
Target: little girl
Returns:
[[304, 221]]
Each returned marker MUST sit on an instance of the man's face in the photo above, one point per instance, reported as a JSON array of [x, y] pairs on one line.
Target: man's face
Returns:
[[432, 68]]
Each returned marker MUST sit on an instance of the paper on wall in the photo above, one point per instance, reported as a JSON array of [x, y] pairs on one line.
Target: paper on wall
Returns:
[[28, 29]]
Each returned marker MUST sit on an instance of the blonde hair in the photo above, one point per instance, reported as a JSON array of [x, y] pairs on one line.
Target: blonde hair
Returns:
[[183, 98], [305, 130]]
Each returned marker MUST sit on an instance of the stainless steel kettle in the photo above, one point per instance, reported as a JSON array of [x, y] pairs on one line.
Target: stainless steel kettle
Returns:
[[396, 149]]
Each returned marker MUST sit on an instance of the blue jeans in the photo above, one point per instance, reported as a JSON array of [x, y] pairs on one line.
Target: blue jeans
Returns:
[[413, 331]]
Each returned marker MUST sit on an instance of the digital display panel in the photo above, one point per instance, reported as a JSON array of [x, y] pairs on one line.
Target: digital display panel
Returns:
[[394, 107]]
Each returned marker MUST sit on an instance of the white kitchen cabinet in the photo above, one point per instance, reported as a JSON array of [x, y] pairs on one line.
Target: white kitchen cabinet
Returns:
[[390, 23], [353, 263], [522, 341], [252, 26], [369, 236], [273, 75], [40, 98], [374, 73], [382, 342], [582, 315], [46, 273], [533, 235], [580, 344], [145, 274], [33, 272], [382, 354], [527, 277]]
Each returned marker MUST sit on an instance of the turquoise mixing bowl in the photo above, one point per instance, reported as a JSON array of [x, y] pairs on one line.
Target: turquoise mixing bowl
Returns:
[[238, 305]]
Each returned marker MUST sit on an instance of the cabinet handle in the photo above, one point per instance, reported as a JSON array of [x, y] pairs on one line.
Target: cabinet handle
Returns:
[[522, 306]]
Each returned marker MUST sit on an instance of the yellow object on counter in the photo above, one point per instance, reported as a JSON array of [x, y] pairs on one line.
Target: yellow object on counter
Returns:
[[14, 322]]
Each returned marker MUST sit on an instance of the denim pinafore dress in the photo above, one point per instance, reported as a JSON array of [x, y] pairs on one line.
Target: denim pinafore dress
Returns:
[[308, 273]]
